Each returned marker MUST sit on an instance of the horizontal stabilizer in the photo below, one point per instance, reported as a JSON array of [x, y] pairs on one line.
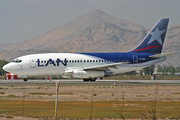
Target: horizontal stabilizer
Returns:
[[163, 54]]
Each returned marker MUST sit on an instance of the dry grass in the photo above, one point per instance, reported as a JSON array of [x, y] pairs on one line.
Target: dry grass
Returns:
[[104, 102], [82, 109], [176, 93], [40, 93]]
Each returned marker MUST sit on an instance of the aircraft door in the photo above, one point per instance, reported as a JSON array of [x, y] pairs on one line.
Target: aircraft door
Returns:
[[135, 59], [32, 62]]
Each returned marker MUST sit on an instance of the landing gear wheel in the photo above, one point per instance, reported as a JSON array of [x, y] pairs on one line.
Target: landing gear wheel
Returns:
[[86, 80], [93, 80], [25, 79]]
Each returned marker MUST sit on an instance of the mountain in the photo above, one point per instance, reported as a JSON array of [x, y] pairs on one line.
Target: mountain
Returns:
[[104, 37], [172, 43], [68, 31]]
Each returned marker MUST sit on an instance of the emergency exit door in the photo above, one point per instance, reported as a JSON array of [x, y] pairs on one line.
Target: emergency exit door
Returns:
[[32, 62]]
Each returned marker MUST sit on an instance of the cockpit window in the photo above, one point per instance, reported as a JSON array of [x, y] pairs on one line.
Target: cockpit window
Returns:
[[17, 61]]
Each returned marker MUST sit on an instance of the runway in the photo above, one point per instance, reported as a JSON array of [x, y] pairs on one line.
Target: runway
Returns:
[[75, 82]]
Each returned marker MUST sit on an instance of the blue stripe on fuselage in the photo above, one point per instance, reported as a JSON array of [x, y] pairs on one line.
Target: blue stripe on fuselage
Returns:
[[128, 56]]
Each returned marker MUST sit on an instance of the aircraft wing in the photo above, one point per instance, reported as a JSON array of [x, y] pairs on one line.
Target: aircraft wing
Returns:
[[98, 67], [104, 67], [163, 54]]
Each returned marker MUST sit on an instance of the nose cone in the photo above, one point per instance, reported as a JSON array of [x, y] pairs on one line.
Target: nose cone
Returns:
[[7, 67]]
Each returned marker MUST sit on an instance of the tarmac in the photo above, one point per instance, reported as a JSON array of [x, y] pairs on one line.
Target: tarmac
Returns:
[[77, 82]]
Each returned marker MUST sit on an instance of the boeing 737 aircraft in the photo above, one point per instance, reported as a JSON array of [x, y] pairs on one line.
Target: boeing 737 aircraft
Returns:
[[89, 66]]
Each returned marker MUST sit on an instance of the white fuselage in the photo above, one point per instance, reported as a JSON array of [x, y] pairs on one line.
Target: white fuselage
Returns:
[[55, 64]]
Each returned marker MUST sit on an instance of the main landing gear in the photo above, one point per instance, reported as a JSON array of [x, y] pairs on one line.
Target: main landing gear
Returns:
[[91, 80], [25, 79]]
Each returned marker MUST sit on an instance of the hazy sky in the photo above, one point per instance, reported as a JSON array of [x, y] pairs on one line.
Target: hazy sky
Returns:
[[24, 19]]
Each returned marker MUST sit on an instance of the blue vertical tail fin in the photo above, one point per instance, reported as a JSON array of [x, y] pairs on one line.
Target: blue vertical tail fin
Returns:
[[154, 40]]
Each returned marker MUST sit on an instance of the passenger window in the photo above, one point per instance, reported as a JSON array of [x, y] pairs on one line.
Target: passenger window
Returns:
[[93, 60], [87, 60], [72, 60], [90, 60], [84, 60]]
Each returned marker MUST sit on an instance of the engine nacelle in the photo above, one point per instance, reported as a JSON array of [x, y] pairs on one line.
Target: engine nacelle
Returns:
[[67, 76], [87, 74]]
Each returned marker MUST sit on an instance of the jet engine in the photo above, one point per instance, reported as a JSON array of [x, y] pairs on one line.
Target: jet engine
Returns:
[[87, 74]]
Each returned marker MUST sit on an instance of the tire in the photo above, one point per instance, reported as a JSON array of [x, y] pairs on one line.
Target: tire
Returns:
[[86, 80], [93, 80], [25, 79]]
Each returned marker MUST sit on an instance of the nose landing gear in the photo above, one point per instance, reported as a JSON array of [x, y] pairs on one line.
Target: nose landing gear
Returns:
[[25, 79]]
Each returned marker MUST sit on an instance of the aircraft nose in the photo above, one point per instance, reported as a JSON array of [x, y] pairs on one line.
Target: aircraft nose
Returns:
[[7, 67]]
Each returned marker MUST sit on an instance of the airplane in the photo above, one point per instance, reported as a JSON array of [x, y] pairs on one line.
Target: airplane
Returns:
[[90, 66]]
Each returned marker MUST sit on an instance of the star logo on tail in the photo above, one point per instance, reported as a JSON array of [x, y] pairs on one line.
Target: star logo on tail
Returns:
[[156, 35]]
